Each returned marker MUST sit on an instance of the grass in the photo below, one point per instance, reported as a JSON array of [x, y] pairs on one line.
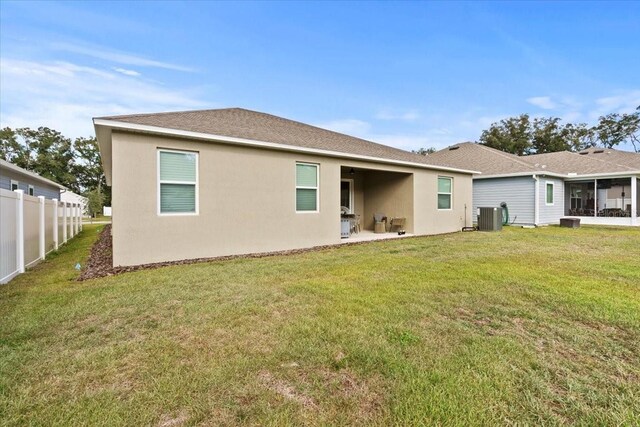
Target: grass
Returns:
[[526, 327]]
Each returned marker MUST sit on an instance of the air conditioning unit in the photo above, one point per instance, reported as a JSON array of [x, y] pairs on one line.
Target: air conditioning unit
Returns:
[[490, 219]]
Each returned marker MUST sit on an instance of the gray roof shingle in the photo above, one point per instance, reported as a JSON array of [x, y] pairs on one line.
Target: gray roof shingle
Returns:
[[489, 161], [253, 125]]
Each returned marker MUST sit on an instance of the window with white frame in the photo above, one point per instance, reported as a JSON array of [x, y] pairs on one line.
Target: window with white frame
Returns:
[[445, 191], [549, 193], [31, 190], [177, 182], [307, 177], [14, 185]]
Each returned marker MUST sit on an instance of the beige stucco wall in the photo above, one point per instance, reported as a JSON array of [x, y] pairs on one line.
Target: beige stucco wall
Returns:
[[388, 193], [247, 201]]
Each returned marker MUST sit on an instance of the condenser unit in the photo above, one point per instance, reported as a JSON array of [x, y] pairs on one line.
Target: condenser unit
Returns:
[[490, 219]]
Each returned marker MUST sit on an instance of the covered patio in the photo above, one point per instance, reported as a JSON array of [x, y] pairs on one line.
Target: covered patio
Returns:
[[365, 193], [612, 200]]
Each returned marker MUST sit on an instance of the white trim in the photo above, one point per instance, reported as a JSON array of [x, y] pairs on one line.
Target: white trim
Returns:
[[16, 183], [450, 178], [301, 187], [516, 174], [553, 194], [114, 124], [603, 175], [351, 191], [196, 183]]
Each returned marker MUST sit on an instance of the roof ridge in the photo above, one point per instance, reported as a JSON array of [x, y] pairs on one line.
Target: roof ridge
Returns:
[[164, 113]]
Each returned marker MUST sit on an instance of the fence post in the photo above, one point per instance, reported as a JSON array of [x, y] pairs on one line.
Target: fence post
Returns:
[[64, 222], [70, 220], [77, 219], [43, 230], [20, 231], [56, 211]]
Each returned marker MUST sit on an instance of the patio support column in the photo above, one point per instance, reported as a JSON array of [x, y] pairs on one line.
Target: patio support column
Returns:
[[595, 197], [634, 200]]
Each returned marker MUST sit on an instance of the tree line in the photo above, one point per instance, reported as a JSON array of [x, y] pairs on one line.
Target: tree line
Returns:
[[522, 135], [73, 163]]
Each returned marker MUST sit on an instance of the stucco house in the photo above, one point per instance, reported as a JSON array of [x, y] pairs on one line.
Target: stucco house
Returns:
[[13, 178], [600, 186], [232, 181]]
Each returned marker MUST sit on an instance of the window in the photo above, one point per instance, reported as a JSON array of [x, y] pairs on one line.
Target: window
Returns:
[[31, 190], [444, 192], [178, 182], [14, 185], [306, 187], [549, 198]]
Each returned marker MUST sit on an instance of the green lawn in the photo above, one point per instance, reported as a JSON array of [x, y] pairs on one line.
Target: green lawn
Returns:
[[523, 327]]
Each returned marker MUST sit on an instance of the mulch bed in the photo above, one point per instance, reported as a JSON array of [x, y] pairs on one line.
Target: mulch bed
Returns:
[[100, 262]]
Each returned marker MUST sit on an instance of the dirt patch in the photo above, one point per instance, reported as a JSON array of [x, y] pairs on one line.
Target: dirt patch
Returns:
[[100, 262], [173, 420], [285, 390]]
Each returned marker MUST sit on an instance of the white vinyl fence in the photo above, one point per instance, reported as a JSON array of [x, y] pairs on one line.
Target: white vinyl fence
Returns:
[[31, 227]]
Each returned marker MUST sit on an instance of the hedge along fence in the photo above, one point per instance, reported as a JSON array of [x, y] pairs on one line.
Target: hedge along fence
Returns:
[[30, 228]]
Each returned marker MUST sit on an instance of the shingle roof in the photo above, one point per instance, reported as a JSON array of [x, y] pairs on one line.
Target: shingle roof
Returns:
[[472, 156], [253, 125], [626, 158], [490, 161], [567, 162]]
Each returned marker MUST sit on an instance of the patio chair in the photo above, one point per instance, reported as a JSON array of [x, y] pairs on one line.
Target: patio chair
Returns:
[[379, 223], [355, 224], [397, 222]]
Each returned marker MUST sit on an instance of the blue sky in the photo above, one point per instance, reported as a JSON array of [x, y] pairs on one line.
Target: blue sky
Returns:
[[409, 75]]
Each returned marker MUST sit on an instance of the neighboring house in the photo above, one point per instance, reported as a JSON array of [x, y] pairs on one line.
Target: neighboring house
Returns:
[[601, 186], [232, 181], [71, 197], [13, 177]]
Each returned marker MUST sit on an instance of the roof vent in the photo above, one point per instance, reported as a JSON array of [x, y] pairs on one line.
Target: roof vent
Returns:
[[453, 148], [583, 153], [598, 151]]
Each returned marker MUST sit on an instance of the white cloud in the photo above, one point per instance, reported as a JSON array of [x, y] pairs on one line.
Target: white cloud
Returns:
[[543, 102], [65, 96], [621, 103], [407, 116], [126, 72], [117, 57]]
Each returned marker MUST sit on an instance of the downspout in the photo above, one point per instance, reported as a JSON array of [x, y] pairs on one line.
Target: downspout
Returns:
[[536, 204]]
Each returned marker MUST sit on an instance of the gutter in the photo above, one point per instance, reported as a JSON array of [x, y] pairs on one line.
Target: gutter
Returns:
[[113, 124]]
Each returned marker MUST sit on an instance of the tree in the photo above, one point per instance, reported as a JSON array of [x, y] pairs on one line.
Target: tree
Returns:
[[95, 202], [615, 128], [579, 136], [424, 151], [512, 135], [548, 136], [43, 151]]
